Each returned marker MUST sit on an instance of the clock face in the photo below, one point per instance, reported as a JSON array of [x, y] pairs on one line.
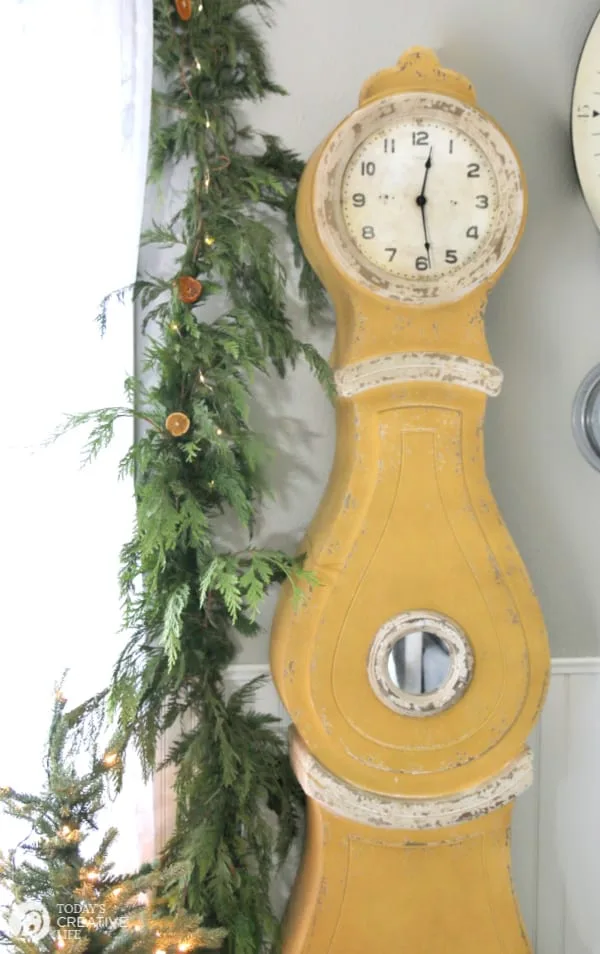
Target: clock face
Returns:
[[419, 197], [585, 120]]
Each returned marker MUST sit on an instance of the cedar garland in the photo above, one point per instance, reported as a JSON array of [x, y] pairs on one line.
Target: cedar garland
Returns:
[[184, 594]]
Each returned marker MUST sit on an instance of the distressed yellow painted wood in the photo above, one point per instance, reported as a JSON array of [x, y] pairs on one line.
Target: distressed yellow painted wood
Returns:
[[409, 814]]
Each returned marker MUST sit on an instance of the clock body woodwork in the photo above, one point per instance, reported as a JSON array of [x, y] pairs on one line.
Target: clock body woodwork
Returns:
[[409, 795]]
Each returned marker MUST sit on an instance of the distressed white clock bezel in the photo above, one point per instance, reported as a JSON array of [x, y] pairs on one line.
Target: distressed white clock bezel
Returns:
[[587, 163], [506, 219]]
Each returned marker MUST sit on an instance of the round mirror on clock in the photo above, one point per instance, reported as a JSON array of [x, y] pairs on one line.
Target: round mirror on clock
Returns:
[[586, 417], [585, 120], [431, 198]]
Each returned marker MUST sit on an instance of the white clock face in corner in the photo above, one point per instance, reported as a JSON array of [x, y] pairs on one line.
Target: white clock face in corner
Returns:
[[585, 120], [419, 198]]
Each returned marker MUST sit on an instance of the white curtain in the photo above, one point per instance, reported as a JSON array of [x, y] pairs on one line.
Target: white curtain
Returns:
[[76, 80]]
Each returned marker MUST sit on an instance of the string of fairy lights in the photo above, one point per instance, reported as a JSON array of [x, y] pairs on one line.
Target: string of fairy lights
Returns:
[[188, 288]]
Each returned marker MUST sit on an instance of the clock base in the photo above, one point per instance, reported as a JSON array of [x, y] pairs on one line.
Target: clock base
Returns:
[[447, 889]]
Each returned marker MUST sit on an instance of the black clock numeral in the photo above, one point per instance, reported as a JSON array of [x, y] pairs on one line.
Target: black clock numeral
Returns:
[[367, 168], [420, 138], [392, 253], [389, 145], [451, 146], [481, 201], [421, 264], [473, 232], [358, 200], [451, 256], [368, 232], [473, 170]]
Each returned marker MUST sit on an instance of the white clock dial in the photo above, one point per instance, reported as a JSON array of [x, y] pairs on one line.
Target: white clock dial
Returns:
[[419, 199], [585, 120]]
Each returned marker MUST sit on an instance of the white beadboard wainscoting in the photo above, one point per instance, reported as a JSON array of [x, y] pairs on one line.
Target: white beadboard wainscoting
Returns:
[[556, 831]]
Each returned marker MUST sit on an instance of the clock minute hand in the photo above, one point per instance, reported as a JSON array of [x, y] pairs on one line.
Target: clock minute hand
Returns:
[[421, 202], [427, 168], [427, 243]]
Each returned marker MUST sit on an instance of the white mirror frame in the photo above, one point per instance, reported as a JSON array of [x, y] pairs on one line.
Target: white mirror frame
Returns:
[[459, 674]]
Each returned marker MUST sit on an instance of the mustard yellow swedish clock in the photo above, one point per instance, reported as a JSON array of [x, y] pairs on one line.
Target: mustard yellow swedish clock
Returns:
[[415, 670]]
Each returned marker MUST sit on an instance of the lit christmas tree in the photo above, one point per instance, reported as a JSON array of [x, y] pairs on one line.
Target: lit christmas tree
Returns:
[[66, 900]]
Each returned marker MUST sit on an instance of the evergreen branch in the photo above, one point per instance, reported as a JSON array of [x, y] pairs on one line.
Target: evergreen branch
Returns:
[[102, 433], [119, 295], [321, 368], [173, 623]]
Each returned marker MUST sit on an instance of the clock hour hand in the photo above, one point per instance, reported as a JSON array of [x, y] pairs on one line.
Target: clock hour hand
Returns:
[[421, 202]]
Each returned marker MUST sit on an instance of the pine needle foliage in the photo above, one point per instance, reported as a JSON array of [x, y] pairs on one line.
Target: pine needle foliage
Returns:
[[185, 595], [90, 909]]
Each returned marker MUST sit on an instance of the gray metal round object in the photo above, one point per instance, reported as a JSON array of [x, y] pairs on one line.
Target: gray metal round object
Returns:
[[586, 417]]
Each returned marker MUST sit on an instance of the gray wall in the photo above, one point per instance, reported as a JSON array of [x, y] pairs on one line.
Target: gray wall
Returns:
[[543, 318]]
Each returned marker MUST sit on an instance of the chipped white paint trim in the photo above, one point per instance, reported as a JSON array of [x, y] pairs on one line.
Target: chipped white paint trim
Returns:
[[428, 703], [384, 811], [419, 366]]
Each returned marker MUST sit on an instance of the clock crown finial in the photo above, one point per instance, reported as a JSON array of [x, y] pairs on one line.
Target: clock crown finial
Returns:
[[418, 68]]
